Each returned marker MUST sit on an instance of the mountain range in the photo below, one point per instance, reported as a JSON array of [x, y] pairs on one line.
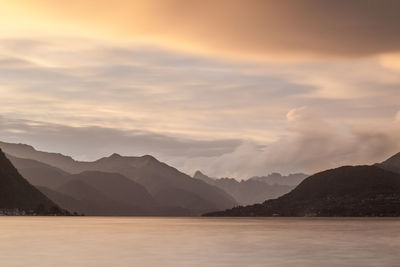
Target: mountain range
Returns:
[[276, 178], [344, 191], [255, 189], [129, 185], [51, 183]]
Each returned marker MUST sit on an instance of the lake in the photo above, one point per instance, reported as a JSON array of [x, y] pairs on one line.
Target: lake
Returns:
[[206, 242]]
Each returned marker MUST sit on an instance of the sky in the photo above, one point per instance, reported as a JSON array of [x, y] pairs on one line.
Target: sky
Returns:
[[232, 88]]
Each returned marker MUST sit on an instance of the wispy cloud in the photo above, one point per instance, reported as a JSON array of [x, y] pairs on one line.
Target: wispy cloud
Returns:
[[91, 142], [143, 88]]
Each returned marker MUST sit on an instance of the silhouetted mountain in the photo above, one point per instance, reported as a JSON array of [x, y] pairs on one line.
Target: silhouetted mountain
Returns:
[[38, 173], [117, 187], [94, 202], [345, 191], [391, 164], [169, 187], [278, 179], [18, 193], [63, 200], [100, 193], [246, 191]]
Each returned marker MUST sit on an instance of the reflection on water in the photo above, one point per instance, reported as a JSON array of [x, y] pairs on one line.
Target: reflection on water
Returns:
[[147, 242]]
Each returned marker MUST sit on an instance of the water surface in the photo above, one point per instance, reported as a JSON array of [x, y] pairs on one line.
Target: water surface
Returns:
[[206, 242]]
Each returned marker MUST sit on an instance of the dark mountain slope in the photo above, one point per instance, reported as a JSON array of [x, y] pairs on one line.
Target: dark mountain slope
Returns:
[[246, 191], [38, 173], [391, 164], [16, 192], [62, 200], [161, 179], [345, 191], [93, 202], [117, 187], [174, 197]]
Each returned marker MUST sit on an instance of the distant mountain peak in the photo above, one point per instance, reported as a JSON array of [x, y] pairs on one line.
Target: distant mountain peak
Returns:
[[150, 158], [198, 174], [144, 159], [201, 176], [115, 155]]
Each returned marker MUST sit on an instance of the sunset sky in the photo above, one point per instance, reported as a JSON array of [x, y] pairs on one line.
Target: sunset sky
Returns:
[[233, 88]]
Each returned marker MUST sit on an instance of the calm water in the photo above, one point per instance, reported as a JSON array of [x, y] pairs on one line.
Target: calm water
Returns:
[[187, 242]]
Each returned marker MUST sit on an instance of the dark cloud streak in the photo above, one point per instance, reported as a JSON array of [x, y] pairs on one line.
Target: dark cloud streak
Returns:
[[91, 143]]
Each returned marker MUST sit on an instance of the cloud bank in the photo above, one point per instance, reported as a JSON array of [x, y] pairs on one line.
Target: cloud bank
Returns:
[[311, 144]]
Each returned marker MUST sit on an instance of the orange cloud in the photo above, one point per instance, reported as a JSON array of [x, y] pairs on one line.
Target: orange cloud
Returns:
[[241, 28], [391, 61]]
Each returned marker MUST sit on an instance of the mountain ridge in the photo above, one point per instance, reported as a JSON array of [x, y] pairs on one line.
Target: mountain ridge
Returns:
[[246, 192], [344, 191], [391, 164], [38, 173], [160, 180]]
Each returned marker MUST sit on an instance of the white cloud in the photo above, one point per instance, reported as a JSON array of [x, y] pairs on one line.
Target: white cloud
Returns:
[[312, 144]]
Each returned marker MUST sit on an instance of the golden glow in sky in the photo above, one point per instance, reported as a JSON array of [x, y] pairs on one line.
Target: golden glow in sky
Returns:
[[259, 29]]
